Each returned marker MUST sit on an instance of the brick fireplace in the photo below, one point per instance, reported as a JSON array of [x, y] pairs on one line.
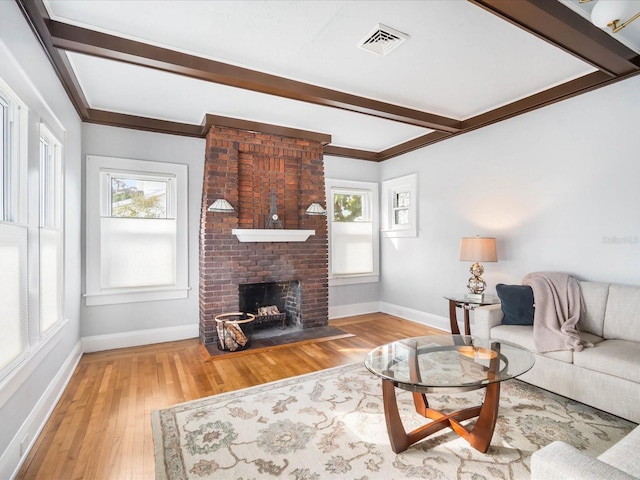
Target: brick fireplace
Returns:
[[247, 169]]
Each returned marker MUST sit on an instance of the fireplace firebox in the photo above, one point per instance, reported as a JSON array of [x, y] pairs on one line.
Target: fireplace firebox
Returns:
[[272, 303]]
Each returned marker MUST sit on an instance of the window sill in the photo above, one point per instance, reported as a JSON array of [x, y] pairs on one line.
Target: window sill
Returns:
[[406, 233], [353, 280], [151, 295]]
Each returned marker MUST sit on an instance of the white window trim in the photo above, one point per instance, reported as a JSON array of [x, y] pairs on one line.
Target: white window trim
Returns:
[[389, 188], [330, 184], [18, 117], [94, 295], [14, 213], [58, 220]]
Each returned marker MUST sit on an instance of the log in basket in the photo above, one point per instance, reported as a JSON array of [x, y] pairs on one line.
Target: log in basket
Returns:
[[234, 330]]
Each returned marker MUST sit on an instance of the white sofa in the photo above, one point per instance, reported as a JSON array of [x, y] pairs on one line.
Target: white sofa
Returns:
[[605, 376], [559, 461]]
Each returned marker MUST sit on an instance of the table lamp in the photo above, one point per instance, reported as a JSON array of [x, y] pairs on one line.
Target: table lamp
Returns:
[[477, 249]]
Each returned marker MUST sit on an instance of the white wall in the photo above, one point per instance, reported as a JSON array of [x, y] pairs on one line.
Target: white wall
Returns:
[[110, 326], [557, 187], [362, 298], [29, 392]]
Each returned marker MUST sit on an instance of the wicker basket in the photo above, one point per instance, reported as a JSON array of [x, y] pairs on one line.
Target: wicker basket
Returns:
[[234, 331]]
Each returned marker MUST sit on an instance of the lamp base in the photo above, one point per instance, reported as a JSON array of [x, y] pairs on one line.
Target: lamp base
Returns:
[[476, 284]]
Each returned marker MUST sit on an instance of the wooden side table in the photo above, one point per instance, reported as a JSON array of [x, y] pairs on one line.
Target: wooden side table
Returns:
[[466, 304]]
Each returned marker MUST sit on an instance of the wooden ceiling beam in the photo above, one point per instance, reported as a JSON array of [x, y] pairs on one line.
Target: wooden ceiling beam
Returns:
[[37, 16], [413, 144], [560, 26], [147, 124], [355, 153], [89, 42], [211, 120], [552, 95]]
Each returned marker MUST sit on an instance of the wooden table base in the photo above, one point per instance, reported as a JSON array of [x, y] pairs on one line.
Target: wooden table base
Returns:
[[479, 436]]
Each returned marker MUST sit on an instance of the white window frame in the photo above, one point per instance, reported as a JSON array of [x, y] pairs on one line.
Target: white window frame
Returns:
[[372, 189], [51, 221], [96, 166], [407, 183], [13, 158], [13, 212]]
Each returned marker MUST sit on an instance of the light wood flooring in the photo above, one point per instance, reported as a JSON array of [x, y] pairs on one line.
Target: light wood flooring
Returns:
[[101, 427]]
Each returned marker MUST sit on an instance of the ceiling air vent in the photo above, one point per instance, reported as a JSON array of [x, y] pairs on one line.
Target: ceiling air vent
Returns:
[[382, 39]]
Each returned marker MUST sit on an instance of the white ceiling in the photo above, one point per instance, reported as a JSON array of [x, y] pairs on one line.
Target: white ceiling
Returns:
[[459, 61]]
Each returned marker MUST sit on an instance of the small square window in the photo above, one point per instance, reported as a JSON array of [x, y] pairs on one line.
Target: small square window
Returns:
[[399, 210]]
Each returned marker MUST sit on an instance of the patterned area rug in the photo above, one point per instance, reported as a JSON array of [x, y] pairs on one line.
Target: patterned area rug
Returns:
[[330, 424]]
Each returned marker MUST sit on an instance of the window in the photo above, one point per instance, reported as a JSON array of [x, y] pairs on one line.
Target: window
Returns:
[[13, 166], [51, 231], [399, 210], [14, 320], [136, 230], [353, 232]]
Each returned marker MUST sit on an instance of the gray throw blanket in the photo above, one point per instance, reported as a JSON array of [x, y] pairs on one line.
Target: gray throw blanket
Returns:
[[558, 307]]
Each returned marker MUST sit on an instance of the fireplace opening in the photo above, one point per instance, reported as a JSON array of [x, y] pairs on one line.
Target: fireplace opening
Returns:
[[276, 305]]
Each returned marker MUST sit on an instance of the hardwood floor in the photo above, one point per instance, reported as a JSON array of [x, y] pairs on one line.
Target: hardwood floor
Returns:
[[101, 427]]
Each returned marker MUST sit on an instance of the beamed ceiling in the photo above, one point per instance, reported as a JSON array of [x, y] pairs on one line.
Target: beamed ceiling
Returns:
[[293, 67]]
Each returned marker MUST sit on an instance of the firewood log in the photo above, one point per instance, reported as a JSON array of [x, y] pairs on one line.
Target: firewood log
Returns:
[[237, 334], [226, 338]]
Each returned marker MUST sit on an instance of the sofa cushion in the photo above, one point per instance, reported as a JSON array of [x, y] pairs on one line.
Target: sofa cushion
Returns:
[[622, 316], [590, 338], [619, 358], [624, 454], [516, 302], [523, 335], [594, 301], [561, 461]]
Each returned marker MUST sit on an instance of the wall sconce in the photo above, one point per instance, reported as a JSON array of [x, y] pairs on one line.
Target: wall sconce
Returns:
[[477, 249], [316, 209], [609, 13], [221, 205]]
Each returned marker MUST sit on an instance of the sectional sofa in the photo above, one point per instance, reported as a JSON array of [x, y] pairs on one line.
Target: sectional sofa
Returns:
[[606, 375], [560, 461]]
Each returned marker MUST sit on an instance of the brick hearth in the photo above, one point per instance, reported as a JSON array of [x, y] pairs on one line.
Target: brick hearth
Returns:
[[245, 168]]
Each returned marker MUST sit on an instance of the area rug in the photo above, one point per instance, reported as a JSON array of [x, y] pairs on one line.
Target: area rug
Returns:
[[330, 424]]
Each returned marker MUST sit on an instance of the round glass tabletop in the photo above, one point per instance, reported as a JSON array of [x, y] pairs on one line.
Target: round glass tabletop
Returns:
[[453, 363]]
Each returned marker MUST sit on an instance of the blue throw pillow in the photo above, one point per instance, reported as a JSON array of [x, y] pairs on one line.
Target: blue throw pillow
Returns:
[[517, 304]]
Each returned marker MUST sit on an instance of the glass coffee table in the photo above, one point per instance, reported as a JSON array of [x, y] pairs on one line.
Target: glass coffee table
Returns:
[[446, 364]]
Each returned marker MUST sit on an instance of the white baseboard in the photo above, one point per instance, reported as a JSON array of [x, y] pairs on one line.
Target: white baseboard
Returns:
[[417, 316], [19, 447], [98, 343], [354, 309]]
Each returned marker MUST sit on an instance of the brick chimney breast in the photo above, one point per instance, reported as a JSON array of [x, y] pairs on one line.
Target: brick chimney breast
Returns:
[[246, 168]]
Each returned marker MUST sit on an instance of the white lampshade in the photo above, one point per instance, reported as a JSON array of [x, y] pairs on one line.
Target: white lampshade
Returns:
[[606, 11], [316, 209], [478, 249], [221, 205]]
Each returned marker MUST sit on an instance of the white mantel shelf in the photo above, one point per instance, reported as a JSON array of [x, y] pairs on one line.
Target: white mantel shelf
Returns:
[[271, 235]]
